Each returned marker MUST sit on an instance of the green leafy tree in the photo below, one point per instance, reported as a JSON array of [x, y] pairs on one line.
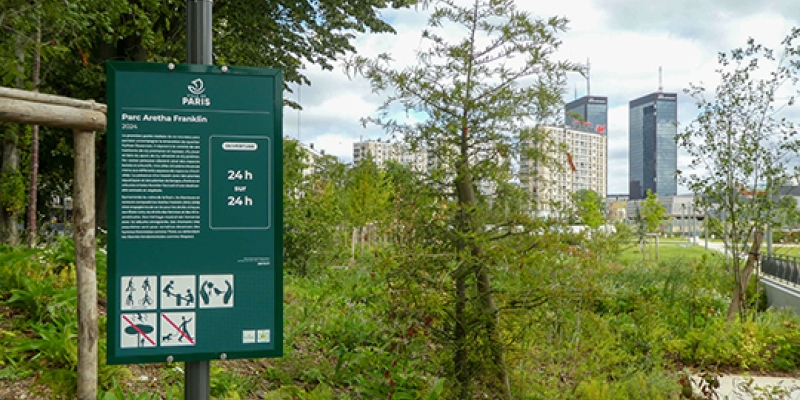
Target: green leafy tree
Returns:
[[311, 211], [787, 212], [652, 212], [368, 193], [367, 201], [477, 109], [740, 145], [590, 208], [649, 215]]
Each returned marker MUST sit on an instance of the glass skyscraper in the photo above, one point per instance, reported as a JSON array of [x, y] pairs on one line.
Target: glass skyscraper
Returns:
[[589, 113], [652, 150]]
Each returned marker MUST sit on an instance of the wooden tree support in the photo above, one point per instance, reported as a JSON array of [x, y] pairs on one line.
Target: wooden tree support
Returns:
[[84, 117], [32, 108]]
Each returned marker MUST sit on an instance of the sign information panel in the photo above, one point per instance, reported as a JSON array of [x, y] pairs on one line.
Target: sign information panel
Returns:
[[194, 213]]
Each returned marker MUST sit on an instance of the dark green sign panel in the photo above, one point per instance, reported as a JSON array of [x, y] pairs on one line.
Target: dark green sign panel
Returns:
[[194, 213]]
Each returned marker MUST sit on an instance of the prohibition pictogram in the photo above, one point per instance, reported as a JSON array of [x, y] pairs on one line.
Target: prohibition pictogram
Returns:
[[136, 330], [177, 328]]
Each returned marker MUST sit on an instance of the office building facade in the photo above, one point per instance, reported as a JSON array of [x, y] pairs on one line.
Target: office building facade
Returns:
[[653, 152]]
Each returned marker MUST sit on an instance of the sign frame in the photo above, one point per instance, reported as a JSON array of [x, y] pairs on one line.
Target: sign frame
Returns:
[[252, 102]]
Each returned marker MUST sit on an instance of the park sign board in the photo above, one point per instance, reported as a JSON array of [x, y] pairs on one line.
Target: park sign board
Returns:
[[195, 214]]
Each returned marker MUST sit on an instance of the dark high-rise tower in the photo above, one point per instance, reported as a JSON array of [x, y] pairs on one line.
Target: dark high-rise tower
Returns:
[[587, 113], [652, 150]]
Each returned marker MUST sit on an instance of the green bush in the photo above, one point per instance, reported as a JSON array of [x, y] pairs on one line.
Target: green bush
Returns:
[[639, 386], [769, 342]]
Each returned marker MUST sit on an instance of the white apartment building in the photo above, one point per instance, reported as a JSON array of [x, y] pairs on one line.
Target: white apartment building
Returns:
[[582, 164], [312, 157], [423, 160], [383, 152]]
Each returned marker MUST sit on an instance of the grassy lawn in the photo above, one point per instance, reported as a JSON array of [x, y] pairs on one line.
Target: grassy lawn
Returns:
[[669, 250], [788, 250]]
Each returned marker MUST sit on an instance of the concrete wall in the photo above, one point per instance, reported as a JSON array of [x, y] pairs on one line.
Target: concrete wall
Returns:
[[781, 294]]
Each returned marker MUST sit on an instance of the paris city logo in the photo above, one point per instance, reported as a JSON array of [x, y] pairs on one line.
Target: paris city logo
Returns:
[[196, 96]]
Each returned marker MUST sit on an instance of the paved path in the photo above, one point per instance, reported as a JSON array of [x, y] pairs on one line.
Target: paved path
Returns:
[[736, 387]]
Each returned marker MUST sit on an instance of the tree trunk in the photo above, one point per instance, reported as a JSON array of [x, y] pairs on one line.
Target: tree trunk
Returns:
[[83, 221], [34, 148], [466, 195], [740, 288], [9, 218], [461, 354], [491, 320]]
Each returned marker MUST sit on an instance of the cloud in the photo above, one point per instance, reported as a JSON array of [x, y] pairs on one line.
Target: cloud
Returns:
[[718, 24], [340, 146]]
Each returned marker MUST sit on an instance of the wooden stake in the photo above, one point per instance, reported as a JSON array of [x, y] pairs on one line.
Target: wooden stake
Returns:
[[84, 225]]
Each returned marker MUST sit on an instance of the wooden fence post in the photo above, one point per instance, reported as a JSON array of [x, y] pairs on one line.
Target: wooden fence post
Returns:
[[84, 117], [84, 236]]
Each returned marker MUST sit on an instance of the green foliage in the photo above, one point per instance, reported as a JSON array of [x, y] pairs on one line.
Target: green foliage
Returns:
[[226, 384], [374, 329], [301, 32], [473, 113], [41, 287], [590, 208], [636, 387], [290, 392], [652, 212], [368, 193], [347, 337], [786, 212], [741, 143], [311, 211], [769, 342], [118, 392], [13, 191]]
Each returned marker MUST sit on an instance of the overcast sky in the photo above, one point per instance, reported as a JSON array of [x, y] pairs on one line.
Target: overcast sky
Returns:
[[626, 41]]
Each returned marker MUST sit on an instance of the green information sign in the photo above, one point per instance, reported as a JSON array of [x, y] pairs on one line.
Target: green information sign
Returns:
[[194, 213]]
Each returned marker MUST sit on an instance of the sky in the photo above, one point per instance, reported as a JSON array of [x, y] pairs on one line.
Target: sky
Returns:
[[626, 41]]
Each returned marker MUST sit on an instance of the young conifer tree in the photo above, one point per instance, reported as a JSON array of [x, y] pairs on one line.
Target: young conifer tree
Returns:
[[477, 101]]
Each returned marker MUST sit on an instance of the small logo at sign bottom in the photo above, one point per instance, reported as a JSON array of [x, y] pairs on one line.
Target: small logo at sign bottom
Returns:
[[248, 336], [263, 336]]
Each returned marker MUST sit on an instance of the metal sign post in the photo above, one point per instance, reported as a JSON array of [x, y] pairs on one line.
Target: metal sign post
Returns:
[[197, 383]]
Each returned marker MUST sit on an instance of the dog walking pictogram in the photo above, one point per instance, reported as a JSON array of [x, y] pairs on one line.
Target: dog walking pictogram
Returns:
[[178, 329]]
